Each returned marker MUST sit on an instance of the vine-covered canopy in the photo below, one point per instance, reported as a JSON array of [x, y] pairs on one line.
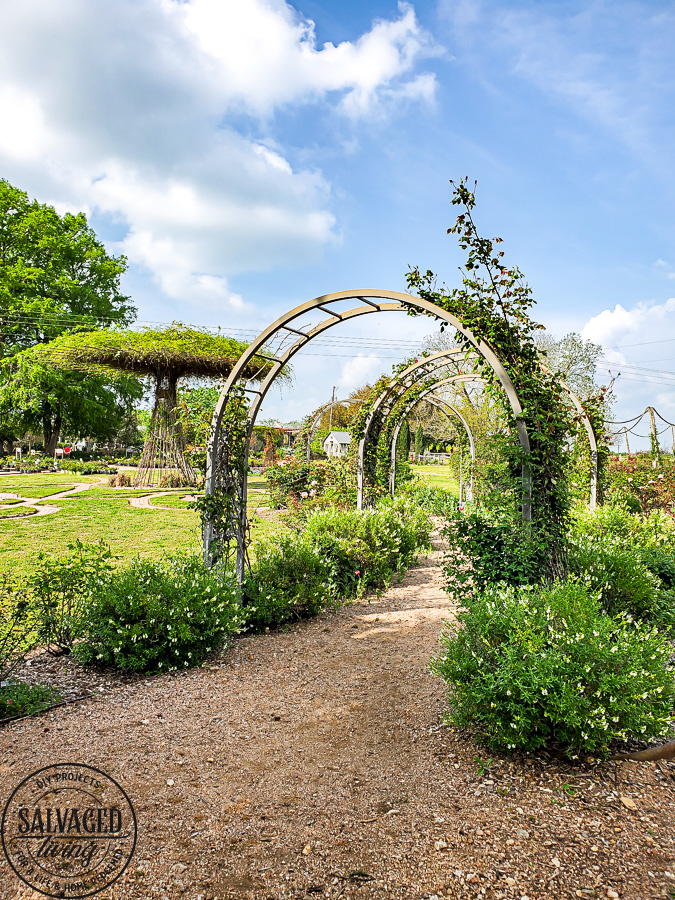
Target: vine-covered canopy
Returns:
[[167, 355], [178, 350]]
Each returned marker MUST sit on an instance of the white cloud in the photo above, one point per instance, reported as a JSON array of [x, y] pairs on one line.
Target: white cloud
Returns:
[[359, 371], [264, 54], [159, 115], [639, 343], [624, 331]]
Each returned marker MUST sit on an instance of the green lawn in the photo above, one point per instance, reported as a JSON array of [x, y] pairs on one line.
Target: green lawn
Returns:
[[103, 512], [438, 476]]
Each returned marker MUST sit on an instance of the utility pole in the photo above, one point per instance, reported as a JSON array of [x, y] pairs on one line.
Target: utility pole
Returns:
[[330, 421], [625, 434], [655, 438]]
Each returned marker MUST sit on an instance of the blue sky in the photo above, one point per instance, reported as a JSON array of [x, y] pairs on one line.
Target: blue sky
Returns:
[[247, 156]]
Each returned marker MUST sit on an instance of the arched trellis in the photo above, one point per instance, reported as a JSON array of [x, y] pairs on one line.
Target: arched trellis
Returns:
[[430, 397], [431, 366], [317, 418], [373, 301]]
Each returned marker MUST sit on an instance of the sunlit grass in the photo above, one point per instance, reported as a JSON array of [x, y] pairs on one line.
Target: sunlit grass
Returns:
[[104, 513]]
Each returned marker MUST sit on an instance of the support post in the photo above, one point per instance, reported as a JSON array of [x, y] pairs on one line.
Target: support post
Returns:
[[242, 520], [655, 438]]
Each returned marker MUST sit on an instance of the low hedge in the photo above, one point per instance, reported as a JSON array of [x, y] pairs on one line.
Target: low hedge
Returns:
[[532, 666]]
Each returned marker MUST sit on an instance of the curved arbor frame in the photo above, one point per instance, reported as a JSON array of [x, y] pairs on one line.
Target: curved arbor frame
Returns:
[[429, 396], [423, 374], [432, 366], [225, 523]]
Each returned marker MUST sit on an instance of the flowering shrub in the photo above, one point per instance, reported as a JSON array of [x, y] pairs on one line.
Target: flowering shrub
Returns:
[[379, 543], [59, 589], [303, 488], [289, 581], [18, 699], [634, 481], [627, 561], [530, 666], [485, 549], [287, 482], [158, 616]]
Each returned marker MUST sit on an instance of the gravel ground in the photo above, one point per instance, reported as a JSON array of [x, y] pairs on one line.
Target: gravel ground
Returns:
[[314, 763]]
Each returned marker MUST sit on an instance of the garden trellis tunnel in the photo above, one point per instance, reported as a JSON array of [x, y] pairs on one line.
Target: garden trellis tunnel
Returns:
[[225, 515]]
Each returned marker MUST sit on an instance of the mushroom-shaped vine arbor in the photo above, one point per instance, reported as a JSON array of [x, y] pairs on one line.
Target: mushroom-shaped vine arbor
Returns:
[[166, 356], [224, 517]]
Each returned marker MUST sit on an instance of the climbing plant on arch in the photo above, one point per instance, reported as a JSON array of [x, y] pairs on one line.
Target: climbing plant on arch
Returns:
[[224, 506], [490, 313], [387, 411]]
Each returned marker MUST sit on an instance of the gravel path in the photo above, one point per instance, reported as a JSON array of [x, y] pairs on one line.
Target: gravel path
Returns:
[[314, 763], [145, 502]]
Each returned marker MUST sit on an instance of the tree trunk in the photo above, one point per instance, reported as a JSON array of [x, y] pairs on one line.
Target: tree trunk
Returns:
[[51, 431]]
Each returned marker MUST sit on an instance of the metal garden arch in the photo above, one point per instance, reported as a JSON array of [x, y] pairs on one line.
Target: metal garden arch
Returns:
[[430, 397], [431, 366], [372, 301]]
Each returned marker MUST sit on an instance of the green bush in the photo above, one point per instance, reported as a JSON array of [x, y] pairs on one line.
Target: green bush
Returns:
[[532, 666], [627, 560], [289, 581], [18, 699], [367, 548], [84, 468], [433, 500], [59, 587], [619, 522], [18, 626], [340, 555], [484, 551], [158, 616]]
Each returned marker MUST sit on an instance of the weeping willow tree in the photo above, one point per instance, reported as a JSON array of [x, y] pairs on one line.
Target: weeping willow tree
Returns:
[[167, 356]]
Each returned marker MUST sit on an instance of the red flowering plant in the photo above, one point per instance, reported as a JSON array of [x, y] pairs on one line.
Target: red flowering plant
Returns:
[[634, 481]]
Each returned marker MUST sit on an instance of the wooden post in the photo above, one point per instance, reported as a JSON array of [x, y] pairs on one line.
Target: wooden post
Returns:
[[655, 437], [625, 434]]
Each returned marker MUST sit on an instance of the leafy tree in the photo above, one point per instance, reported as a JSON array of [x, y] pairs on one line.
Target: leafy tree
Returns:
[[419, 442], [404, 440], [573, 358], [55, 277]]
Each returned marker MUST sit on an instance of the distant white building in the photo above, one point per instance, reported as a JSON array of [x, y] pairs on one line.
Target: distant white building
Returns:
[[337, 443]]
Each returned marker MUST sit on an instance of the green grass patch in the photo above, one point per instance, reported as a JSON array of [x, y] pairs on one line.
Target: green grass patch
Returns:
[[17, 512], [104, 513], [438, 476], [35, 487], [9, 501]]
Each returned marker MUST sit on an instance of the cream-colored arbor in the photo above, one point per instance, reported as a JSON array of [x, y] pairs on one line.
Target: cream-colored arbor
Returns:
[[285, 328]]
